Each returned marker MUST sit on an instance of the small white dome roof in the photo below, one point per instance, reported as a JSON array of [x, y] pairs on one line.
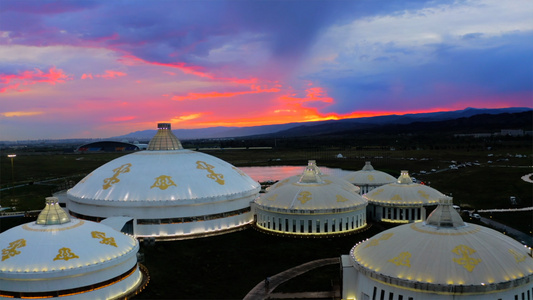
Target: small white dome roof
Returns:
[[368, 176], [404, 192], [68, 248], [312, 190], [444, 251]]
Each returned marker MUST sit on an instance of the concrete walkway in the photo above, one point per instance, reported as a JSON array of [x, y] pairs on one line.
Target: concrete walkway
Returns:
[[261, 292], [527, 178]]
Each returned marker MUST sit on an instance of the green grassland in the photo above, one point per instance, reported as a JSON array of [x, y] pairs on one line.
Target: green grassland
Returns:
[[228, 266], [476, 187], [231, 265]]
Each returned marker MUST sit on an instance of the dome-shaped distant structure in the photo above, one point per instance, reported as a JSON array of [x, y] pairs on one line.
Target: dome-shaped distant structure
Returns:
[[402, 201], [69, 258], [368, 179], [169, 192], [441, 258], [311, 204]]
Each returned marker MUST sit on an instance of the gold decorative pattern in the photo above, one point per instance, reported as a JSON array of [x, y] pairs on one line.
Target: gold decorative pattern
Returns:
[[281, 183], [396, 197], [26, 227], [469, 263], [341, 199], [370, 178], [352, 179], [11, 250], [423, 194], [517, 256], [415, 227], [377, 192], [375, 241], [202, 165], [105, 240], [273, 197], [326, 182], [304, 196], [65, 254], [163, 182], [108, 182], [402, 259], [239, 171], [86, 177]]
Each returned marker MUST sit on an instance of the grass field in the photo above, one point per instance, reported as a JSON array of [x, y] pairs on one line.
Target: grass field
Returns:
[[232, 264], [228, 266], [476, 187]]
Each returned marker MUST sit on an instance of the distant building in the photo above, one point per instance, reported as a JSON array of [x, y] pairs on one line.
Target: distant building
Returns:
[[368, 179], [402, 201], [107, 146], [474, 135], [441, 258], [60, 257], [311, 204], [166, 192], [512, 132]]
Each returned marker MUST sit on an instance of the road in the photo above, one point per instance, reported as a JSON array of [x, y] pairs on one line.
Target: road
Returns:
[[516, 234]]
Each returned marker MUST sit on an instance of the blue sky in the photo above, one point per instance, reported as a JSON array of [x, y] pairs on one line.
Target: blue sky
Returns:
[[72, 69]]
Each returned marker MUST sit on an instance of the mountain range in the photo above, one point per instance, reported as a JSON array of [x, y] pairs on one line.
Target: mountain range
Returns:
[[321, 127]]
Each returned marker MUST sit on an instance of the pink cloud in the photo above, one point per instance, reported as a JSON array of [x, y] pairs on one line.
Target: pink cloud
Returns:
[[314, 94], [253, 90], [30, 77], [111, 74], [107, 75], [186, 69]]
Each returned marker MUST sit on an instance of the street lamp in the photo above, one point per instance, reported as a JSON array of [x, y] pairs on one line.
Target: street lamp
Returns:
[[12, 172]]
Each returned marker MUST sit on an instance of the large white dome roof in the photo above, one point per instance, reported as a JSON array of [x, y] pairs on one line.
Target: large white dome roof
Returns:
[[182, 176], [444, 252], [165, 172]]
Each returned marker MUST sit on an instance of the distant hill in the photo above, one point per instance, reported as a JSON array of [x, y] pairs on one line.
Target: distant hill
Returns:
[[477, 123], [325, 127]]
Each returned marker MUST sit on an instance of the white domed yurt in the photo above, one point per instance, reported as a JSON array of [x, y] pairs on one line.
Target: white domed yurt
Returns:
[[68, 258], [368, 179], [311, 204], [441, 258], [402, 201], [166, 192]]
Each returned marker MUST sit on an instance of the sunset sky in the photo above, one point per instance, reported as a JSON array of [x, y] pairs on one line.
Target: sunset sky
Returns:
[[96, 69]]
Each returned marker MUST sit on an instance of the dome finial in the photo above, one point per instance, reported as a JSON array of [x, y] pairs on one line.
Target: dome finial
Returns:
[[404, 178], [52, 213], [368, 166], [311, 173], [164, 139], [445, 215]]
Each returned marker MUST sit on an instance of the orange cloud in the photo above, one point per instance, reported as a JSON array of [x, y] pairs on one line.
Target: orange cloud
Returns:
[[185, 118], [13, 81], [21, 114], [314, 94]]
